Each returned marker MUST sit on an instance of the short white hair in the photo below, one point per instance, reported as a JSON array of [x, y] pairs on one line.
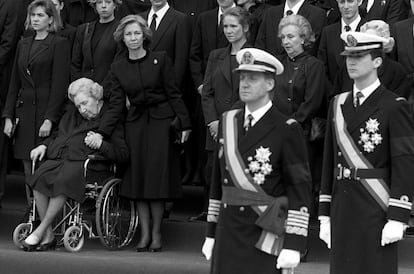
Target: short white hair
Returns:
[[86, 86]]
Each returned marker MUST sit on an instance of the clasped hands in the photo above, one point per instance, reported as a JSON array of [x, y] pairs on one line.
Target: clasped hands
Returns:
[[93, 140], [392, 231], [287, 258]]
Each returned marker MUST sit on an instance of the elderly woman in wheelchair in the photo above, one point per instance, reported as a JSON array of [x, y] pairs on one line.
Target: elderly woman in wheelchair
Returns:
[[60, 176]]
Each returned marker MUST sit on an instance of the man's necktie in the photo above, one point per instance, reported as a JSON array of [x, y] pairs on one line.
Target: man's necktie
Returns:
[[289, 12], [153, 25], [347, 28], [248, 122], [357, 99]]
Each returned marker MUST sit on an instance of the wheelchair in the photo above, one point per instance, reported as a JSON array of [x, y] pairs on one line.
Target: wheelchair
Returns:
[[115, 218]]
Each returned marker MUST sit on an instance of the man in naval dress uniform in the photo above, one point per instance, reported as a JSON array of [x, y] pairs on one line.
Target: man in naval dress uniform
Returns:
[[261, 186], [366, 193]]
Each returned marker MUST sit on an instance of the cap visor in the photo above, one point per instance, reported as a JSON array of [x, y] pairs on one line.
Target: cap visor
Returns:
[[355, 52], [255, 68]]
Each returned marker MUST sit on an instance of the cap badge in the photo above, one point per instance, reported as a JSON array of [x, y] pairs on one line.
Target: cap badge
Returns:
[[351, 41], [247, 58]]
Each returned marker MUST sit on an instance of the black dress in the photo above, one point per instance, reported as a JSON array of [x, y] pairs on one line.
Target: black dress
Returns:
[[149, 84], [62, 172]]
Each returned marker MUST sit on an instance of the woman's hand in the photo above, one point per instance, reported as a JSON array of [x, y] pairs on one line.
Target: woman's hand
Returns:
[[93, 140], [8, 127], [45, 129], [38, 153], [213, 128], [184, 135]]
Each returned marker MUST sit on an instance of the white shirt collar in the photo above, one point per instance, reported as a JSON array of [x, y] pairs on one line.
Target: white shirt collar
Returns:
[[366, 91], [353, 25], [370, 4], [258, 113], [160, 15], [220, 12], [294, 9]]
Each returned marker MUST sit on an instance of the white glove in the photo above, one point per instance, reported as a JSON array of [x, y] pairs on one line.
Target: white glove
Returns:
[[325, 230], [393, 231], [288, 258], [207, 248]]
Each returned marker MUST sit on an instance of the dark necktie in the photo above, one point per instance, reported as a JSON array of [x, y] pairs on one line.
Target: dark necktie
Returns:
[[153, 25], [347, 28], [289, 12], [248, 122], [357, 99]]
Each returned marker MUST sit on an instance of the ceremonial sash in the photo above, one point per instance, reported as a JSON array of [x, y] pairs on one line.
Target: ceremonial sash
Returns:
[[377, 188], [268, 242]]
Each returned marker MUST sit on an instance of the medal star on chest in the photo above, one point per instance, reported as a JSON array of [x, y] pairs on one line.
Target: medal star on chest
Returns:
[[369, 138], [259, 165]]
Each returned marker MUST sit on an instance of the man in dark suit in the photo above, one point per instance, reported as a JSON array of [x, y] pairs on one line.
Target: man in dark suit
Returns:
[[366, 193], [132, 7], [193, 8], [77, 12], [260, 165], [331, 45], [268, 34], [11, 26], [389, 11], [404, 44]]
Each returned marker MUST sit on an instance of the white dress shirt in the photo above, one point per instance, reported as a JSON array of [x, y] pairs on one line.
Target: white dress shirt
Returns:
[[294, 9], [257, 114], [160, 15], [366, 91]]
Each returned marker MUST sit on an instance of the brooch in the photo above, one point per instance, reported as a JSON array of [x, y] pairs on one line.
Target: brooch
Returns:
[[370, 138], [259, 166]]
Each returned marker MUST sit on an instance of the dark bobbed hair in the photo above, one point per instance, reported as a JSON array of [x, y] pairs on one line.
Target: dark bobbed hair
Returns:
[[50, 10], [131, 19]]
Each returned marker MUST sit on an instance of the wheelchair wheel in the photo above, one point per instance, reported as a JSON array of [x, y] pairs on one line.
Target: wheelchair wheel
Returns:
[[20, 233], [73, 239], [116, 219]]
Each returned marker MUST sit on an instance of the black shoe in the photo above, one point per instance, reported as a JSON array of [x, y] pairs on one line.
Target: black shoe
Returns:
[[142, 249], [202, 217], [47, 246], [155, 249]]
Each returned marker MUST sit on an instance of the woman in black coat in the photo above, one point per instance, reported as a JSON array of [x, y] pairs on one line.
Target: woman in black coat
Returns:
[[38, 83], [144, 81], [61, 175], [300, 90], [94, 48]]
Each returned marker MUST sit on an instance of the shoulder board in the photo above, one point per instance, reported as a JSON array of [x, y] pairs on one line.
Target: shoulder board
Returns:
[[291, 121], [400, 99]]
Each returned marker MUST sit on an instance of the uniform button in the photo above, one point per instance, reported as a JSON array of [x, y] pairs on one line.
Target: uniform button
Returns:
[[192, 14], [225, 180], [290, 81], [225, 205], [339, 153], [241, 208], [289, 99], [246, 171], [226, 168], [339, 165]]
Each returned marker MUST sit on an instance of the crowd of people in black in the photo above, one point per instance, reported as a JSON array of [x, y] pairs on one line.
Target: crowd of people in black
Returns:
[[154, 65]]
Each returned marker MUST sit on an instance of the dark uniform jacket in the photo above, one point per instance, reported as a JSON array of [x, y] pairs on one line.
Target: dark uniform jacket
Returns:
[[236, 232], [206, 37], [93, 63], [37, 89], [357, 219], [331, 46], [267, 36], [173, 35], [389, 11]]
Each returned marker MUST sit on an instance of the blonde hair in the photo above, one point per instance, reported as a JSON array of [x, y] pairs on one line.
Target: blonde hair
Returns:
[[131, 19], [381, 29], [87, 87], [50, 10], [305, 28]]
